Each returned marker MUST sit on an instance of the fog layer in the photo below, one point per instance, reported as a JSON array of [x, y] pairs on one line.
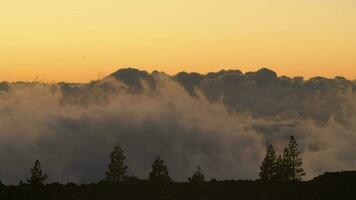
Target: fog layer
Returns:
[[221, 121]]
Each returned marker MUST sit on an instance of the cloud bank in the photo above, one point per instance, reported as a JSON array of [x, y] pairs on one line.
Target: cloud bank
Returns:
[[221, 121]]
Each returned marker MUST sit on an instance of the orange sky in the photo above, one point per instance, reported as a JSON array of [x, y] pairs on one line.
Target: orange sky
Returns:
[[83, 40]]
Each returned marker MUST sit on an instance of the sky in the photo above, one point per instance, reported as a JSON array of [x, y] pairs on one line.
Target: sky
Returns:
[[83, 40]]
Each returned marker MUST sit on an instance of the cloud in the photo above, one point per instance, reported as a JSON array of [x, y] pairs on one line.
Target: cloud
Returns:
[[221, 121]]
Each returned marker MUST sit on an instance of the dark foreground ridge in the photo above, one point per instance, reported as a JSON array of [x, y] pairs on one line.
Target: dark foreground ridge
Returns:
[[337, 185]]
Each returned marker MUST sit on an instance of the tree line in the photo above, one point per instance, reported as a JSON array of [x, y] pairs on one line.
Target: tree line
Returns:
[[277, 168]]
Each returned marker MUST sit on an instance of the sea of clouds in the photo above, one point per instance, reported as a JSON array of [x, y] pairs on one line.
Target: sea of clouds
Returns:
[[222, 121]]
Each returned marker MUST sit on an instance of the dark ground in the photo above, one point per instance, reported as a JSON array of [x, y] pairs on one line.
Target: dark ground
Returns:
[[340, 185]]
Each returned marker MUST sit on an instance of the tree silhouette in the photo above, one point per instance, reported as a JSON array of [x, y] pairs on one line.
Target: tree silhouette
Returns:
[[269, 165], [159, 173], [284, 166], [198, 176], [280, 169], [294, 162], [117, 169], [37, 177]]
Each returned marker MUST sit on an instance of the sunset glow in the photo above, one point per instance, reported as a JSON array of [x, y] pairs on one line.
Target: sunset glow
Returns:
[[83, 40]]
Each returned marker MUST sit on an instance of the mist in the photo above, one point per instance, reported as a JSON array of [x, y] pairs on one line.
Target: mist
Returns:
[[221, 121]]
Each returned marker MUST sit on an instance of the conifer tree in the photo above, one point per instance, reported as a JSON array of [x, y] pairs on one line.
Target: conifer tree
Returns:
[[269, 165], [285, 166], [37, 177], [294, 161], [280, 169], [117, 169], [198, 176], [159, 173]]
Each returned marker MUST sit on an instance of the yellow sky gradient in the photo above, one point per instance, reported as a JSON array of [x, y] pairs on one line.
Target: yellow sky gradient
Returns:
[[82, 40]]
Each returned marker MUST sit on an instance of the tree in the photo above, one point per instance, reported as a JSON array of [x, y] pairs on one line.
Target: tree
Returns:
[[269, 165], [117, 169], [159, 173], [198, 176], [280, 169], [293, 159], [37, 177]]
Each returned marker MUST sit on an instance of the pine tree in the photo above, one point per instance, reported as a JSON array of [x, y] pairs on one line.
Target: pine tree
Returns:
[[198, 176], [280, 169], [37, 177], [294, 161], [269, 165], [117, 169], [159, 173]]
